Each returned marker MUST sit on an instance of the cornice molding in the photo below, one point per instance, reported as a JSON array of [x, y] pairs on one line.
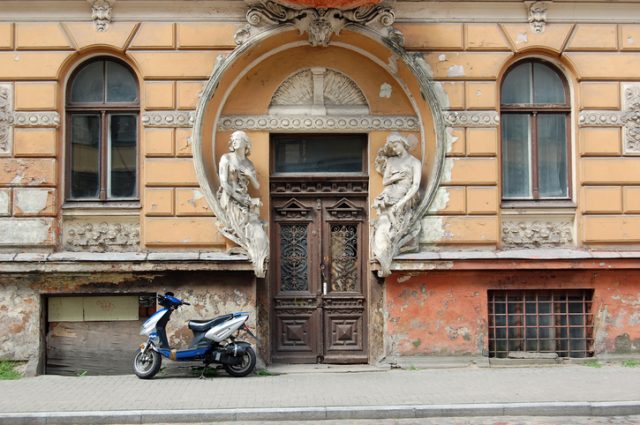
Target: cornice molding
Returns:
[[234, 11]]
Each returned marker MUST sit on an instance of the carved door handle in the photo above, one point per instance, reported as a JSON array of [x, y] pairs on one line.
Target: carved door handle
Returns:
[[324, 278]]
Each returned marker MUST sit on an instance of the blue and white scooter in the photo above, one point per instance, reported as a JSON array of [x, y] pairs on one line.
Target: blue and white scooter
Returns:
[[214, 341]]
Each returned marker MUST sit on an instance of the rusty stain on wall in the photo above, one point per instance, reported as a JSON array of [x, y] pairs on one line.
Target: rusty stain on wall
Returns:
[[447, 311]]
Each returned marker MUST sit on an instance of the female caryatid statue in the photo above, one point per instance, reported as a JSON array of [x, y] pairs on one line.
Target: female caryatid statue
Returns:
[[395, 229], [241, 222]]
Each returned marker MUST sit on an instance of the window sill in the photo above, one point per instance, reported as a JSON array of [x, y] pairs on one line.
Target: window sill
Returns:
[[560, 204], [70, 208]]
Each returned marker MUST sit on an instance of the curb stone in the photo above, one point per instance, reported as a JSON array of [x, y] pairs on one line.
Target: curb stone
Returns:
[[616, 408]]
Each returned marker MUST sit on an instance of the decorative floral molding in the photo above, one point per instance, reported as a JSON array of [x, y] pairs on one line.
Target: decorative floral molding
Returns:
[[101, 13], [537, 14], [628, 118], [601, 118], [472, 118], [536, 234], [325, 123], [168, 119], [319, 24], [631, 118], [36, 119], [6, 117], [101, 236]]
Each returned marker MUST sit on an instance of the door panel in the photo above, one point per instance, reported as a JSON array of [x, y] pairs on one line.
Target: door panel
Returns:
[[319, 260]]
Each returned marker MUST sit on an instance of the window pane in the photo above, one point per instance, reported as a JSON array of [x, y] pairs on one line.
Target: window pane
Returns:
[[326, 153], [85, 156], [516, 175], [516, 87], [122, 156], [88, 84], [552, 155], [548, 87], [121, 84]]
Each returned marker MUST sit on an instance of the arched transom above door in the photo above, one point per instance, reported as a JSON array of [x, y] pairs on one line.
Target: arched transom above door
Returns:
[[320, 98]]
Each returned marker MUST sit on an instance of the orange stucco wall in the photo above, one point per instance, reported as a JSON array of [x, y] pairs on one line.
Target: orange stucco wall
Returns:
[[173, 61], [445, 312]]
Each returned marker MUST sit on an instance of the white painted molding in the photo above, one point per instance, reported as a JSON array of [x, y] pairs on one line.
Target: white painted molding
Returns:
[[6, 112], [472, 118], [311, 123], [168, 118], [36, 119]]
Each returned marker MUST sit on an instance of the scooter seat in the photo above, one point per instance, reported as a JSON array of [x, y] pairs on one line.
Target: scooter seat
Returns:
[[205, 325]]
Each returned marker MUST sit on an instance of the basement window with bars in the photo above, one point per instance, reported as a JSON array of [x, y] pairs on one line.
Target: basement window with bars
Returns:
[[545, 321]]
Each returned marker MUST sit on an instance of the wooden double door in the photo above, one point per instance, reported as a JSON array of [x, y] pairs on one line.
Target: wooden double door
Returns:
[[319, 254]]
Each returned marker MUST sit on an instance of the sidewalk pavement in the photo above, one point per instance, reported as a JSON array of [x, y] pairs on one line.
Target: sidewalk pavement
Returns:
[[330, 392]]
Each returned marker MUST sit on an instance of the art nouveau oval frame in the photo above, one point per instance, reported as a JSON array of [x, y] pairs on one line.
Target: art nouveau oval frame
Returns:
[[430, 93]]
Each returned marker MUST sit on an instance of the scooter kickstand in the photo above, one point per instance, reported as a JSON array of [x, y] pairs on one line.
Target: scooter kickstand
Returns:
[[203, 371]]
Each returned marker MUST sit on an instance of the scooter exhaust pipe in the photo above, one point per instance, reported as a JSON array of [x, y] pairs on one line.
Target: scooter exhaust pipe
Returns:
[[234, 349]]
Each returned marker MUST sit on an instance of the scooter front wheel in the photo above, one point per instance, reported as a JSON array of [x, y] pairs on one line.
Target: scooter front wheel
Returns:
[[146, 364], [245, 367]]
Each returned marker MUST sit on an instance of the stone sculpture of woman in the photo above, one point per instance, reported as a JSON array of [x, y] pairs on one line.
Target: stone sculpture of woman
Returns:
[[395, 229], [241, 222]]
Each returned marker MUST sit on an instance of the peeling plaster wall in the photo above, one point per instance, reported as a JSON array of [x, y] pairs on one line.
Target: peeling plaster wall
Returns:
[[23, 297], [20, 317], [445, 312]]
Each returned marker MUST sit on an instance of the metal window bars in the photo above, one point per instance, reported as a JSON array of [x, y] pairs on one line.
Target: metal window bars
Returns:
[[541, 321]]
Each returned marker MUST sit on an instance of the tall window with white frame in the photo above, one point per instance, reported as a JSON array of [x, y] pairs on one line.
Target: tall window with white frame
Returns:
[[102, 109], [535, 113]]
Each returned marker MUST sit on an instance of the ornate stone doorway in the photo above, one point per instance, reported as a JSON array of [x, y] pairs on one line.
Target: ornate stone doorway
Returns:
[[319, 245]]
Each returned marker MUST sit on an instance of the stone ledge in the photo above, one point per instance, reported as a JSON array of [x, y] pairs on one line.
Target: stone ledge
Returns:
[[518, 254], [514, 258], [69, 262]]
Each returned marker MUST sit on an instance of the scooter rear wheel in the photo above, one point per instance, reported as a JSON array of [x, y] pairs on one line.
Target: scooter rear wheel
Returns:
[[146, 365], [245, 367]]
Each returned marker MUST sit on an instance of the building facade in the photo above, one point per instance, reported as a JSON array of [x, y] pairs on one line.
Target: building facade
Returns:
[[372, 181]]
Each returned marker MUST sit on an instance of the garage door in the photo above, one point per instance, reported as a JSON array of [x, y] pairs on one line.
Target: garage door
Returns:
[[95, 335]]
